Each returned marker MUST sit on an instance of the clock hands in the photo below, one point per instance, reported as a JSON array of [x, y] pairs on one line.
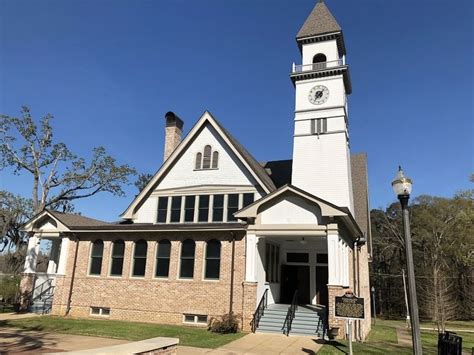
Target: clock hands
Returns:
[[318, 94]]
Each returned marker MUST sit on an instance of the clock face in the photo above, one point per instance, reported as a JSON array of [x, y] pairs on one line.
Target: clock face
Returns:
[[318, 95]]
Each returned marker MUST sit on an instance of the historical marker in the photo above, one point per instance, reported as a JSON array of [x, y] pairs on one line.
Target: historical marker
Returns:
[[350, 306]]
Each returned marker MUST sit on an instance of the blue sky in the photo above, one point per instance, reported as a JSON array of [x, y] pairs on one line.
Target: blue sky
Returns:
[[108, 70]]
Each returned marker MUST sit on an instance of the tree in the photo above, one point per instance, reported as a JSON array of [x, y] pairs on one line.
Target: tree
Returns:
[[142, 181], [14, 211], [59, 176]]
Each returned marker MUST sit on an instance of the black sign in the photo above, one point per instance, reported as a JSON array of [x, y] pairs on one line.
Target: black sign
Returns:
[[349, 306]]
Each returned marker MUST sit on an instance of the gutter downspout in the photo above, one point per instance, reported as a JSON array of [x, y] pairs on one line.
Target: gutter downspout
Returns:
[[68, 307], [355, 275], [232, 270]]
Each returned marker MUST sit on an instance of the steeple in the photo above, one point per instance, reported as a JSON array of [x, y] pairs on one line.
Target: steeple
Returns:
[[320, 21]]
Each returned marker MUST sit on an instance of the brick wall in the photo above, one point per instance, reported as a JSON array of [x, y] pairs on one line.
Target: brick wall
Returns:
[[147, 298]]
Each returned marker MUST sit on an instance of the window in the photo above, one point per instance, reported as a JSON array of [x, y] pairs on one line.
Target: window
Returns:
[[319, 61], [218, 208], [189, 203], [139, 258], [272, 262], [118, 250], [319, 126], [162, 209], [175, 209], [248, 199], [100, 311], [297, 257], [213, 259], [198, 161], [321, 258], [187, 259], [96, 257], [232, 206], [163, 258], [215, 160], [208, 159], [195, 319], [203, 215]]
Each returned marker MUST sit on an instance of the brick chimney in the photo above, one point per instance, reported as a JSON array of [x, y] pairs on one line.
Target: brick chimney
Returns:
[[173, 131]]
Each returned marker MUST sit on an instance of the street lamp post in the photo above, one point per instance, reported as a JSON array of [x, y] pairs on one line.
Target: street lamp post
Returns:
[[402, 187]]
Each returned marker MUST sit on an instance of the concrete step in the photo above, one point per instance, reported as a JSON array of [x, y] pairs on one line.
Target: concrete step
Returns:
[[270, 328]]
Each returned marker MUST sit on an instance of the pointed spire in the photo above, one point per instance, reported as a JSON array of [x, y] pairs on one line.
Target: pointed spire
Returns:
[[319, 21]]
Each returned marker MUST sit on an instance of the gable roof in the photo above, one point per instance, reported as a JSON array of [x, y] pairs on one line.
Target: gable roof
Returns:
[[328, 209], [67, 221], [255, 169], [320, 21]]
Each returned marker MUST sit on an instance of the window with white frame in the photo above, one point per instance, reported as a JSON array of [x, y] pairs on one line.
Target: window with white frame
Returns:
[[100, 311], [97, 251], [319, 125], [186, 269], [139, 258], [195, 319], [116, 264], [163, 258], [207, 159], [213, 260]]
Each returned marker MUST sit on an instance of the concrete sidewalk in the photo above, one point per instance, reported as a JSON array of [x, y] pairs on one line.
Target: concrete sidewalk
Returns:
[[261, 344]]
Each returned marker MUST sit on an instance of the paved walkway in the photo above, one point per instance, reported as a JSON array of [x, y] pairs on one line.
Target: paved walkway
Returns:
[[260, 344], [404, 337], [8, 316]]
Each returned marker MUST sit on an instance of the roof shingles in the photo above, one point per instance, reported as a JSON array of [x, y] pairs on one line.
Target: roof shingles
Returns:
[[320, 21]]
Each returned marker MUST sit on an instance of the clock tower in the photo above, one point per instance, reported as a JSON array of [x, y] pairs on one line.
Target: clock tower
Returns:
[[321, 155]]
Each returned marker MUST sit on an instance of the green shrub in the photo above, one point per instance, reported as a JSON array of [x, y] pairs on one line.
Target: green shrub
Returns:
[[9, 286], [229, 323]]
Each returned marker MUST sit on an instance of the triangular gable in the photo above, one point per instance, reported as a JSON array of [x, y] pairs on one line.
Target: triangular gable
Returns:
[[327, 208], [45, 221], [248, 162]]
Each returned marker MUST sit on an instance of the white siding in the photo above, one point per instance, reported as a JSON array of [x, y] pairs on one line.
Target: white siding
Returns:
[[147, 212], [335, 85], [291, 210], [328, 48]]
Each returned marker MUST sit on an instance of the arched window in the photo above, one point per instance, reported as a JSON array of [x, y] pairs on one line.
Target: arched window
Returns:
[[215, 160], [213, 259], [319, 61], [186, 270], [139, 258], [96, 257], [163, 258], [206, 161], [118, 250], [198, 161]]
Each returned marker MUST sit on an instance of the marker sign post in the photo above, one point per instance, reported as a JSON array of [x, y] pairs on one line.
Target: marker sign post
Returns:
[[349, 307]]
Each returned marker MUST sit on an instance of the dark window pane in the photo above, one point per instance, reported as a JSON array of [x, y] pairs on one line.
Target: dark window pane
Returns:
[[118, 251], [232, 206], [97, 248], [248, 199], [96, 257], [175, 209], [139, 267], [187, 268], [198, 161], [203, 208], [117, 267], [297, 257], [162, 267], [96, 266], [218, 208], [215, 160], [322, 258], [162, 209], [187, 249], [189, 203], [141, 248], [212, 268], [164, 249], [213, 249], [206, 162]]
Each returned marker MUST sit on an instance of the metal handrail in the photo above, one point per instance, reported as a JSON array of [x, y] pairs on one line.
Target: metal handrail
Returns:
[[298, 68], [49, 297], [29, 295], [259, 311], [290, 315]]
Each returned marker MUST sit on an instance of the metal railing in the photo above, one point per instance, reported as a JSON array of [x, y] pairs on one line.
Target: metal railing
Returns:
[[37, 293], [259, 311], [290, 315], [298, 68], [48, 301]]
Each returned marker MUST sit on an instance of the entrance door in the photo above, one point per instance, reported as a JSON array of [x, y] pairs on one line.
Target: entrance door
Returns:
[[321, 285], [295, 277]]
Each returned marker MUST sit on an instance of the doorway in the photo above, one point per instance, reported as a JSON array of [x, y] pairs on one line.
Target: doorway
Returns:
[[321, 285], [295, 277]]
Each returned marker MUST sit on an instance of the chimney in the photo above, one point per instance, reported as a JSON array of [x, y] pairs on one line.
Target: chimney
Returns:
[[173, 131]]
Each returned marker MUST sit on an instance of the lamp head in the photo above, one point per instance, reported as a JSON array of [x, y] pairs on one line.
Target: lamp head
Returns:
[[401, 185]]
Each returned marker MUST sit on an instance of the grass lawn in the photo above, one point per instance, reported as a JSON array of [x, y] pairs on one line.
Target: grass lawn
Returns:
[[383, 340], [189, 336]]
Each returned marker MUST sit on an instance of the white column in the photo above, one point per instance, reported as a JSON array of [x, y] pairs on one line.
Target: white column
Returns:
[[63, 256], [346, 264], [333, 256], [32, 255], [250, 256]]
